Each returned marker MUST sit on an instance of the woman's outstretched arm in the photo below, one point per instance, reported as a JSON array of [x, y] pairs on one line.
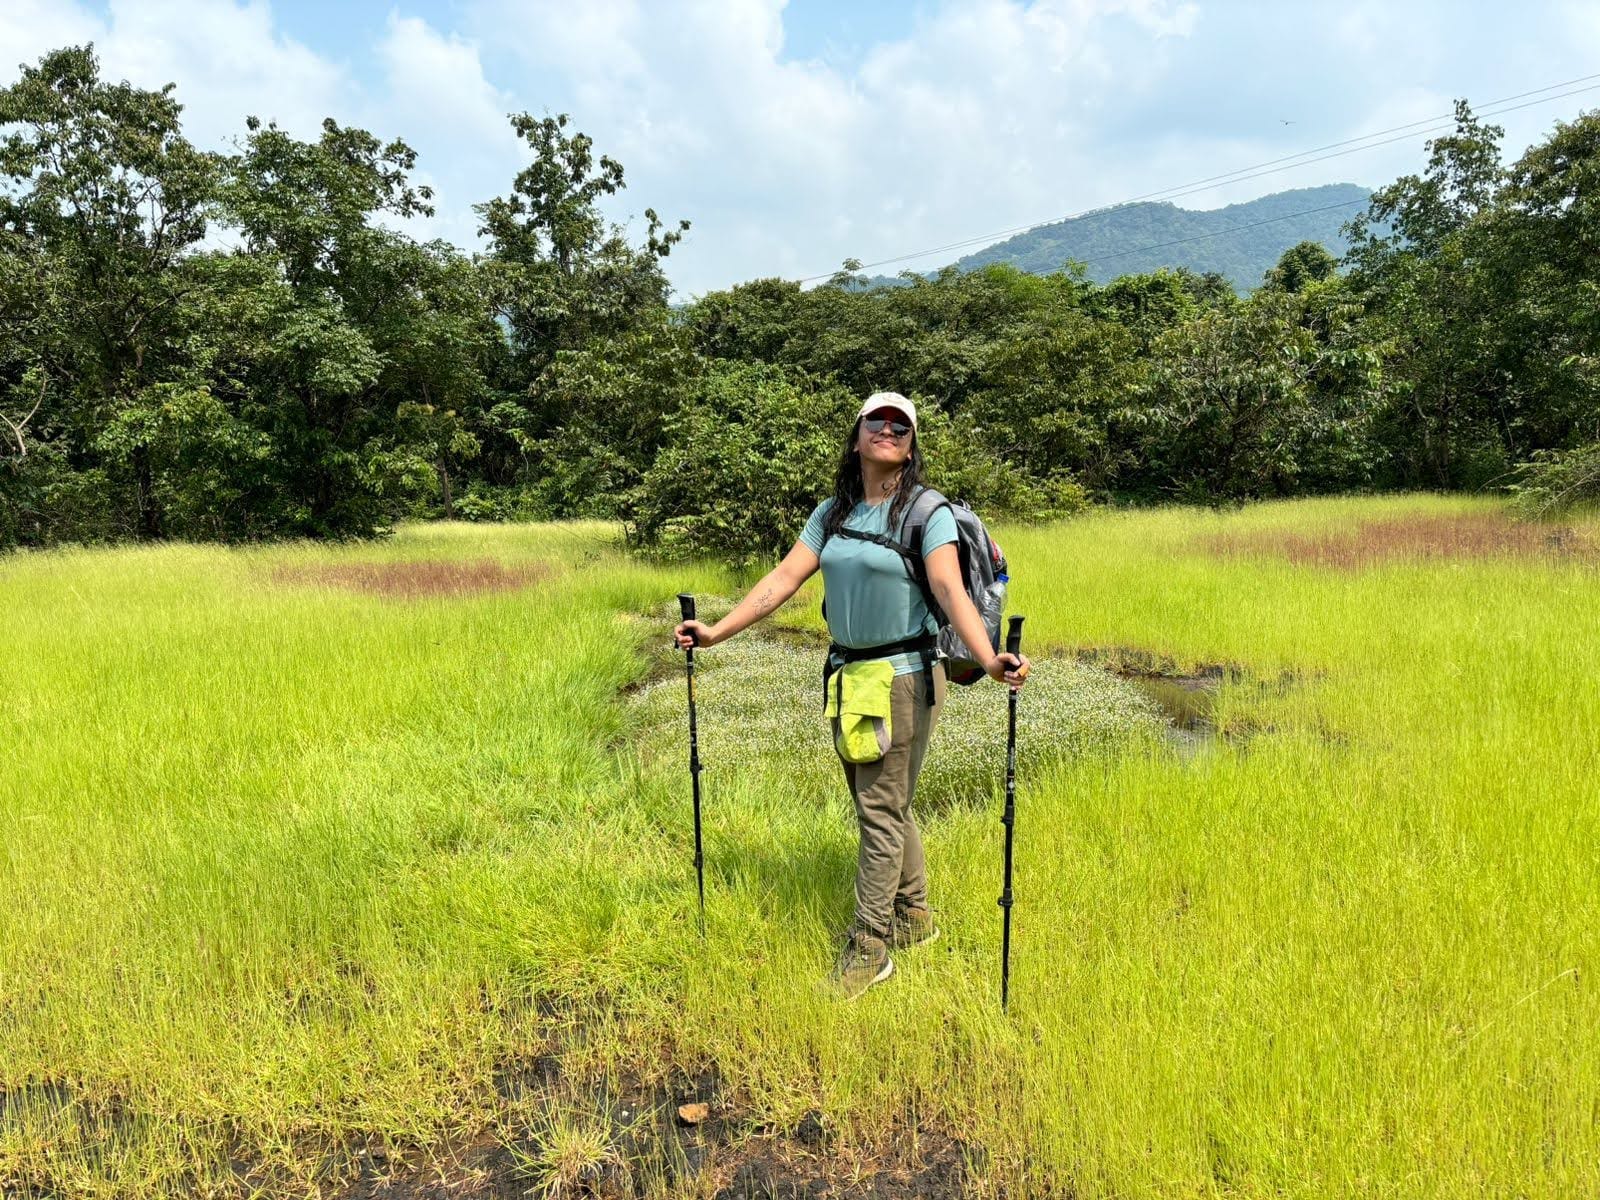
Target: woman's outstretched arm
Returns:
[[766, 597]]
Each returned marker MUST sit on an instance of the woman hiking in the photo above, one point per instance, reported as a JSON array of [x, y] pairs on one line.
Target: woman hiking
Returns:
[[884, 702]]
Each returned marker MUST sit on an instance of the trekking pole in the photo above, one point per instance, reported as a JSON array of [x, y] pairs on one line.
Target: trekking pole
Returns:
[[686, 606], [1009, 817]]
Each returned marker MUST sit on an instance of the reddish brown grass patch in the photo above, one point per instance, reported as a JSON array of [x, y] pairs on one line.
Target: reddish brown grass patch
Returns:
[[413, 580], [1412, 539]]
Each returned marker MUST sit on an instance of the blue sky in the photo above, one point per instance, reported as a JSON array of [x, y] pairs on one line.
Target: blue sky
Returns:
[[796, 135], [837, 31]]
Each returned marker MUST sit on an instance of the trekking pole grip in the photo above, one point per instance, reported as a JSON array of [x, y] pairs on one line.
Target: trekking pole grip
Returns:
[[686, 607], [1014, 635]]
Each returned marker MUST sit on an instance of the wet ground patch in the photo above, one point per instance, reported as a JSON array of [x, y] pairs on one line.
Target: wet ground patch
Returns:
[[605, 1139], [418, 579], [1186, 695], [1414, 538], [1185, 700]]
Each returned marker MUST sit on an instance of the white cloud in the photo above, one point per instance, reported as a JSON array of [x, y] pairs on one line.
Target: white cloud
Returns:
[[436, 80], [227, 59], [974, 118], [29, 28], [228, 62], [978, 115], [434, 95]]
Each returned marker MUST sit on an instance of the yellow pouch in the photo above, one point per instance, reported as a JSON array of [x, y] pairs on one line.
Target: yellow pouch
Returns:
[[859, 696]]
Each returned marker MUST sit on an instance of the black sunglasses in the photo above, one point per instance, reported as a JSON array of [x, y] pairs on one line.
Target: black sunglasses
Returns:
[[876, 424]]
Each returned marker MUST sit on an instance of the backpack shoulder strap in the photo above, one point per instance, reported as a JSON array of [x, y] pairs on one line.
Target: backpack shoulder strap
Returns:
[[918, 513], [909, 545]]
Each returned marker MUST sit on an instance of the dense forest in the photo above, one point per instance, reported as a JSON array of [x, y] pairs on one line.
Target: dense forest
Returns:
[[240, 346]]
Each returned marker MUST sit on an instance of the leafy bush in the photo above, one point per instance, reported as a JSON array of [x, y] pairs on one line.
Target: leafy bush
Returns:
[[1557, 481], [963, 467], [743, 464], [485, 502], [44, 502]]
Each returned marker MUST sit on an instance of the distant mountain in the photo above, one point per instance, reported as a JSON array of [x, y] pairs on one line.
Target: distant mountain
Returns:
[[1240, 241]]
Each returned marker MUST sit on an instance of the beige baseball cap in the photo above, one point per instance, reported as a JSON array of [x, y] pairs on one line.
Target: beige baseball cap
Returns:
[[889, 400]]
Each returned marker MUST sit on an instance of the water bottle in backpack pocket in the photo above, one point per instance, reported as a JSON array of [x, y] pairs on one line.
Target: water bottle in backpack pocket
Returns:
[[984, 575]]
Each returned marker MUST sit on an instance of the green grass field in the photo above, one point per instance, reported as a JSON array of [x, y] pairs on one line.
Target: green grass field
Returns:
[[309, 881]]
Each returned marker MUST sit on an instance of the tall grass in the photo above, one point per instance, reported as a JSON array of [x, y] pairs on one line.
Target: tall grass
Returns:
[[290, 867]]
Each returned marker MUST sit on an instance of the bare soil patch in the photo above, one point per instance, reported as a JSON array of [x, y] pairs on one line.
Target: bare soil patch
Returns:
[[1419, 538], [422, 578]]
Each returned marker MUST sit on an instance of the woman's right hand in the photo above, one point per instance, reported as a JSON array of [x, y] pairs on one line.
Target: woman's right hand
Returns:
[[1009, 668], [693, 633]]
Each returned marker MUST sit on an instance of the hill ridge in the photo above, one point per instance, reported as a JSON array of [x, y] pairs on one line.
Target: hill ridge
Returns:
[[1240, 241], [1128, 243]]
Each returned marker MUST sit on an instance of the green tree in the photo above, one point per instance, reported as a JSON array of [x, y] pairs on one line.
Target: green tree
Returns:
[[562, 279], [1544, 272], [355, 350], [1048, 389], [1417, 257], [101, 198], [617, 398], [1149, 305], [1301, 264], [1231, 409]]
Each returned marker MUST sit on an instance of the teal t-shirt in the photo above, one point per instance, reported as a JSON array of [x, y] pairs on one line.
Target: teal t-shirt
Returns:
[[871, 598]]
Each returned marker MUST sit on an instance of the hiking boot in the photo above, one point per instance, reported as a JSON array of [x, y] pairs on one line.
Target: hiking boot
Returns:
[[863, 962], [913, 926]]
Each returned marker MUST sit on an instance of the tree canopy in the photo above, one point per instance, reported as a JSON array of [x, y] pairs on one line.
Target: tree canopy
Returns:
[[243, 345]]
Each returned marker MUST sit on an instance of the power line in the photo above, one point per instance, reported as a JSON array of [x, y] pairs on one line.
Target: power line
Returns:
[[1269, 167], [1390, 140], [1408, 126], [1239, 176], [1188, 189]]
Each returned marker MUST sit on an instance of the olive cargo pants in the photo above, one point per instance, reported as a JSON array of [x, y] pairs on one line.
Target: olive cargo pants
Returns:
[[890, 865]]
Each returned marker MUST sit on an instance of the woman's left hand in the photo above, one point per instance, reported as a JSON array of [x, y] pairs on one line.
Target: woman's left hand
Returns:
[[1009, 668]]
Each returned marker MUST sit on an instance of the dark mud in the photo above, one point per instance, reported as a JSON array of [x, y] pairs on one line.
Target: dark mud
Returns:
[[653, 1151], [648, 1149]]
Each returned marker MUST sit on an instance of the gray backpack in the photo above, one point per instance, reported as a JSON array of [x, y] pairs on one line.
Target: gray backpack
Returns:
[[983, 573]]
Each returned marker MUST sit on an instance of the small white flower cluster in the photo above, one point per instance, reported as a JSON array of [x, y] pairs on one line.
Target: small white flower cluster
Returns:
[[1067, 708], [759, 703]]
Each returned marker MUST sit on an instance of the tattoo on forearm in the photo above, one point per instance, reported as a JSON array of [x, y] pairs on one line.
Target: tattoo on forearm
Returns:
[[764, 602]]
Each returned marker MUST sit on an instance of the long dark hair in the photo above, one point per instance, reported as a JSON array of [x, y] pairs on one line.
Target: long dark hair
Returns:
[[849, 488]]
